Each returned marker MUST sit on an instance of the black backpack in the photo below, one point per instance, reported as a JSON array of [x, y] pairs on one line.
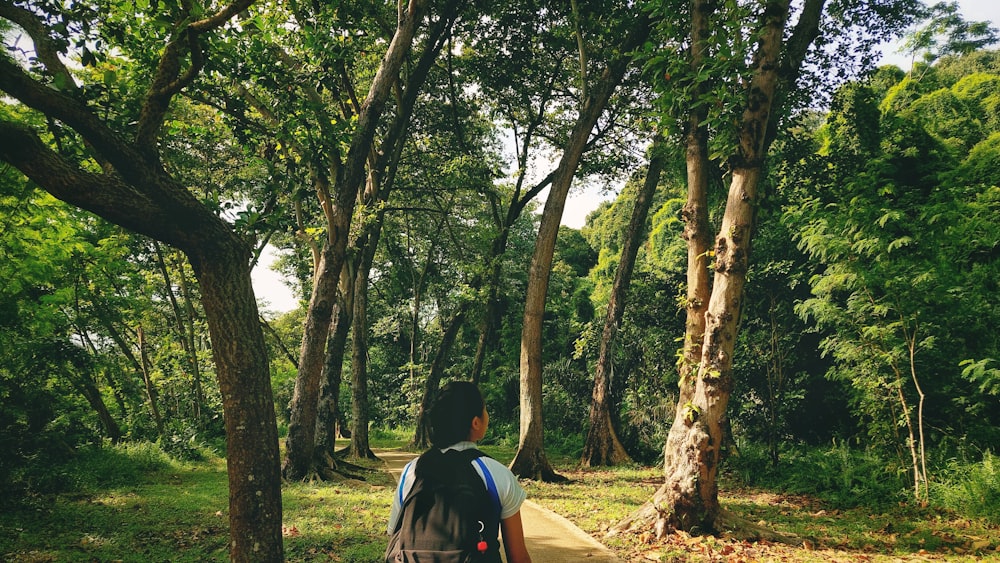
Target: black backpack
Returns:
[[450, 516]]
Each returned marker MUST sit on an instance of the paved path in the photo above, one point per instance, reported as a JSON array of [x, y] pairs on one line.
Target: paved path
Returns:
[[550, 537]]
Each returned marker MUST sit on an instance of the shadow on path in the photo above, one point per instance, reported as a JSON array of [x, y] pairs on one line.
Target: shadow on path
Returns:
[[550, 537]]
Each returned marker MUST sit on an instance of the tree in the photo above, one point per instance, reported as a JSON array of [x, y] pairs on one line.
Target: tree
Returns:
[[895, 230], [114, 169], [945, 32], [602, 445], [349, 176], [688, 499], [530, 460]]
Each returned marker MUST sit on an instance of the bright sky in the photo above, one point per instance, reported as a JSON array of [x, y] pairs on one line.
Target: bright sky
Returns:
[[275, 296]]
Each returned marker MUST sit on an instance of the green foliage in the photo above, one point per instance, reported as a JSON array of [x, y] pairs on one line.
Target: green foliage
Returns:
[[894, 233], [970, 488], [982, 167], [946, 32], [93, 467], [842, 476]]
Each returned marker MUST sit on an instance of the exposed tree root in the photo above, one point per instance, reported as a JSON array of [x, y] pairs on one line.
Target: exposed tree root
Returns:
[[727, 524], [644, 518], [331, 468], [535, 466], [545, 475], [740, 528]]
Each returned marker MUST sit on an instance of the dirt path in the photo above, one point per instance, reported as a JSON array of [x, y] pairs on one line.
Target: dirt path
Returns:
[[550, 537]]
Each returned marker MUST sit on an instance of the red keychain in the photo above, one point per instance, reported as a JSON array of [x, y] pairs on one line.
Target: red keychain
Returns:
[[482, 546]]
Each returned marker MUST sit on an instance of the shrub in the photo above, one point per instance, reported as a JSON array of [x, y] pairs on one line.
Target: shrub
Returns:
[[840, 475], [181, 441], [971, 489]]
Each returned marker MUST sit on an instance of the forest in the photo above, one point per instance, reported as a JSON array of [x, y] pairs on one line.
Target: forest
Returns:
[[800, 261]]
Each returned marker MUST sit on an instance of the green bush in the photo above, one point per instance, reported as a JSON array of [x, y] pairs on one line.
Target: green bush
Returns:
[[970, 488], [842, 476], [117, 465], [181, 441]]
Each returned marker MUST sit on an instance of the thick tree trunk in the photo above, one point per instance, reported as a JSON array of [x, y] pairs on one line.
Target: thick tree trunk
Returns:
[[688, 499], [329, 393], [602, 446], [530, 460], [245, 384]]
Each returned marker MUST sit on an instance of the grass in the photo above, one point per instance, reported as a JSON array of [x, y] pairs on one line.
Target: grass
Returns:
[[178, 512], [596, 499], [137, 504]]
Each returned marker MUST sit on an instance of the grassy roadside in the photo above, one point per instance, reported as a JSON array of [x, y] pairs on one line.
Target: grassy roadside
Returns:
[[596, 499], [178, 512], [141, 506]]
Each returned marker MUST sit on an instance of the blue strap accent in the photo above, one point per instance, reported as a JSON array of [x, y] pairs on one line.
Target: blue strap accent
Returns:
[[402, 481], [491, 486]]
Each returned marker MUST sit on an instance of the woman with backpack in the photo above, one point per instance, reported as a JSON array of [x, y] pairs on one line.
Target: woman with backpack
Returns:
[[453, 500]]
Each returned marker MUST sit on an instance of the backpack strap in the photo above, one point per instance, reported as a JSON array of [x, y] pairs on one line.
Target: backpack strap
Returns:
[[491, 485], [402, 480], [476, 457]]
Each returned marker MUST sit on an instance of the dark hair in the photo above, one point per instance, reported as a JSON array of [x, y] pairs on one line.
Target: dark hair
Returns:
[[451, 415]]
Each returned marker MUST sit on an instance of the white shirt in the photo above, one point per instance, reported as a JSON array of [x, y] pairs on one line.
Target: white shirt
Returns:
[[508, 489]]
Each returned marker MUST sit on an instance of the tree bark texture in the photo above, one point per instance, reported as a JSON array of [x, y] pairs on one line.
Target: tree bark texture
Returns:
[[602, 445], [360, 446], [300, 444], [530, 460], [134, 191], [688, 499], [329, 392], [245, 384]]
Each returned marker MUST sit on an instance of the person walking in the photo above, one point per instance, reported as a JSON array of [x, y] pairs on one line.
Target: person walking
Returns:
[[453, 501]]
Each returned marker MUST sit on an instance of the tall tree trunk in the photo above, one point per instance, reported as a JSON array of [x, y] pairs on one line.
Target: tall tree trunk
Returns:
[[245, 384], [776, 379], [360, 447], [187, 345], [86, 384], [602, 445], [147, 379], [300, 444], [329, 392], [88, 388], [491, 311], [688, 499], [199, 394], [530, 460], [421, 438]]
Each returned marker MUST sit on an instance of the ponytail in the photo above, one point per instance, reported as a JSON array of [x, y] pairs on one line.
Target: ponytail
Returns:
[[452, 413]]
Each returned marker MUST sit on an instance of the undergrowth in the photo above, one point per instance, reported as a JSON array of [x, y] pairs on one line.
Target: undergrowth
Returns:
[[136, 502]]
